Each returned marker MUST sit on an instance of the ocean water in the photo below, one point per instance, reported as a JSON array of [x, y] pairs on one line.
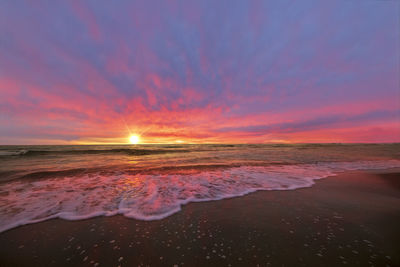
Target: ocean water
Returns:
[[151, 182]]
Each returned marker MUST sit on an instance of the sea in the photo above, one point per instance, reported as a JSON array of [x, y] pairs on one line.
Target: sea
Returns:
[[151, 182]]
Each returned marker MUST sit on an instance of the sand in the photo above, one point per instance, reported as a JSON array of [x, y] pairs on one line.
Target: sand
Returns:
[[352, 219]]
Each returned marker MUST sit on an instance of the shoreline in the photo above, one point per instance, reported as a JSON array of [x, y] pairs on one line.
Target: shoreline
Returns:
[[65, 215], [258, 228]]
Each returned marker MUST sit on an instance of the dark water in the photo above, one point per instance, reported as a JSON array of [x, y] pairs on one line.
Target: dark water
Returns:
[[152, 181], [47, 161]]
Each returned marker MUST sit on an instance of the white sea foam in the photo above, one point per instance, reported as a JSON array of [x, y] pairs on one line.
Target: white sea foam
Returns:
[[13, 153], [152, 197]]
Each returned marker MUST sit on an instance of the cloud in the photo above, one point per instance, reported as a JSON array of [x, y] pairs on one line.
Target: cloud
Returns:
[[322, 122], [206, 70]]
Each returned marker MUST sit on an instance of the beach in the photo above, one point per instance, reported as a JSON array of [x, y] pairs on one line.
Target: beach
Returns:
[[350, 219], [199, 133]]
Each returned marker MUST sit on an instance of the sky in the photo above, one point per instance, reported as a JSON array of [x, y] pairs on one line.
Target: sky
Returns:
[[85, 72]]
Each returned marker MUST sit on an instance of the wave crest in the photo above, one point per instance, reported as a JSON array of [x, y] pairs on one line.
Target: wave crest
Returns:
[[135, 152], [152, 196]]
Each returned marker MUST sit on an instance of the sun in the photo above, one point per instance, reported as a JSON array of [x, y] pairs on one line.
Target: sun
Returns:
[[134, 139]]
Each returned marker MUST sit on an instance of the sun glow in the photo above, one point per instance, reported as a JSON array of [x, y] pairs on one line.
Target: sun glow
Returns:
[[134, 139]]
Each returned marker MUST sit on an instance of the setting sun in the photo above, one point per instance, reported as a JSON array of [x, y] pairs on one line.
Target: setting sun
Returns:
[[134, 139]]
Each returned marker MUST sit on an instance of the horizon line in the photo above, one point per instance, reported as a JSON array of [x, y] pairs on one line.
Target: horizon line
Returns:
[[272, 143]]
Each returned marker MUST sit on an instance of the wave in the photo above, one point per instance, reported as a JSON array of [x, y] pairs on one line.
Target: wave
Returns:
[[152, 196], [135, 152], [13, 153], [111, 170], [56, 174]]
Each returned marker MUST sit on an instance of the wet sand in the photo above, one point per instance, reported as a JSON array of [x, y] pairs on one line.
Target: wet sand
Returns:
[[352, 219]]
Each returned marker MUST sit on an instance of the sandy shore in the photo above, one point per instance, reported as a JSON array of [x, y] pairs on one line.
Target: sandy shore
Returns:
[[352, 219]]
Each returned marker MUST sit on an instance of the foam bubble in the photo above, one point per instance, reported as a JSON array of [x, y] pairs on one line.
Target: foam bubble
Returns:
[[13, 153], [152, 197]]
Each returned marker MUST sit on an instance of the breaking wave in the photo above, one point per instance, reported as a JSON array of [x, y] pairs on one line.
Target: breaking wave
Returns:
[[13, 153], [152, 196], [137, 152]]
